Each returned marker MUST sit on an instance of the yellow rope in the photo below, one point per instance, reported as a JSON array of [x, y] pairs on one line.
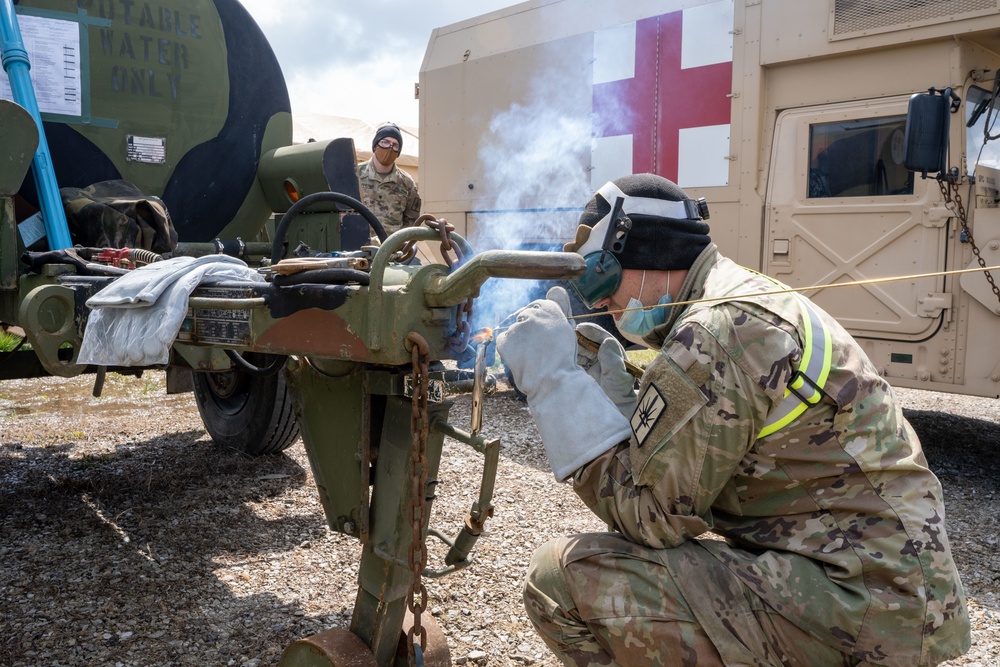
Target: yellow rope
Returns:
[[871, 281]]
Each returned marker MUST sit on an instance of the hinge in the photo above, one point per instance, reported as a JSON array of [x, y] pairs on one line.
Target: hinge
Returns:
[[937, 216], [932, 303]]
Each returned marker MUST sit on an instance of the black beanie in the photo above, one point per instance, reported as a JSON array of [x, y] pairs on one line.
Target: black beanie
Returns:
[[654, 243], [387, 130]]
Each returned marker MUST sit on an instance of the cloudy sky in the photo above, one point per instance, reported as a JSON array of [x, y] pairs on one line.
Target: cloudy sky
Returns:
[[358, 58]]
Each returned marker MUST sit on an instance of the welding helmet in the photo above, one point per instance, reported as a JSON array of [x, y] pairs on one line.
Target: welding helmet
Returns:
[[641, 221]]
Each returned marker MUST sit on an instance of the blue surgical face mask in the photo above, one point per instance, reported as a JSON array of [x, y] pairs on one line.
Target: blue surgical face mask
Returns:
[[635, 324], [637, 321]]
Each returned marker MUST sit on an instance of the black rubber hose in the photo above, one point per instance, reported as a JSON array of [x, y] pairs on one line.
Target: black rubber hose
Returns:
[[323, 277], [260, 371], [35, 260], [316, 197]]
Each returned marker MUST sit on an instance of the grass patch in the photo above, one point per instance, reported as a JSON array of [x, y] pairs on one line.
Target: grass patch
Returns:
[[8, 341], [642, 358], [151, 384]]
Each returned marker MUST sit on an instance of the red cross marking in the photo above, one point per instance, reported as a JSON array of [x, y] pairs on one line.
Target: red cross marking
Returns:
[[654, 109]]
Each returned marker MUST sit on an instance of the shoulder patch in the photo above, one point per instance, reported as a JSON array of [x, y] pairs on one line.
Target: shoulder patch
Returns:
[[651, 405], [669, 398]]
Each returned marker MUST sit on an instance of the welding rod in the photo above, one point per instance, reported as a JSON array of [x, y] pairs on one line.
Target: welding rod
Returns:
[[594, 346]]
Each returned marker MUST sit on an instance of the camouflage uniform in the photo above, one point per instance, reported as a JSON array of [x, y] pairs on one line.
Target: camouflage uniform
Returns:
[[835, 549], [392, 197]]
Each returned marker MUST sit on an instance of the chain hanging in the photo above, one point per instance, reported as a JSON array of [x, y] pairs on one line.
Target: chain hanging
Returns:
[[416, 600], [463, 312], [949, 185]]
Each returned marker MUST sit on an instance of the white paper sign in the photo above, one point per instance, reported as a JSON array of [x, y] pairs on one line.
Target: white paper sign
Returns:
[[53, 47]]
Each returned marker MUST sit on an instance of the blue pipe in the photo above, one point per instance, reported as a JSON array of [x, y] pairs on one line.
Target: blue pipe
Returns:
[[17, 66]]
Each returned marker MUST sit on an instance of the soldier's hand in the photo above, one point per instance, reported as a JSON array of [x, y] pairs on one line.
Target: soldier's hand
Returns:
[[607, 366], [575, 418], [604, 360], [538, 346]]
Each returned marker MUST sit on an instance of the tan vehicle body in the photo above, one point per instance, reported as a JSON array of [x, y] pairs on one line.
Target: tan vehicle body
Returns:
[[798, 70]]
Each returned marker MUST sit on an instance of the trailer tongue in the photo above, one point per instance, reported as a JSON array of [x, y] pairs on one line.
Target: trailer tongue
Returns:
[[325, 333]]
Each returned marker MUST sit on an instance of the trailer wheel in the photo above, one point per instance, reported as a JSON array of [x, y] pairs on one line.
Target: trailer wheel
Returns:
[[252, 414]]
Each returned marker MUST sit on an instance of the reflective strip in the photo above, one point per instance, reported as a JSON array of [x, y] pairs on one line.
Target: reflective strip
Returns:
[[817, 354]]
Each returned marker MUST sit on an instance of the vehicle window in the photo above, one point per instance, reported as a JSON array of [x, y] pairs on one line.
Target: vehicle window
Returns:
[[980, 107], [858, 158]]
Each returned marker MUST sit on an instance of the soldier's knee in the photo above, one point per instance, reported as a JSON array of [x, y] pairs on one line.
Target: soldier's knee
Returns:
[[545, 587], [544, 565]]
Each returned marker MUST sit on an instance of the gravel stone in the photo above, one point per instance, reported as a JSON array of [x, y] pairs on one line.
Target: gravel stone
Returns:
[[128, 538]]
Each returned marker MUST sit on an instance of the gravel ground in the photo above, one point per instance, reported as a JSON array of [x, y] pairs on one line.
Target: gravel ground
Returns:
[[128, 539]]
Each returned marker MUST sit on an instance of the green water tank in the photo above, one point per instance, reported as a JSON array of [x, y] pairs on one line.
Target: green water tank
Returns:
[[179, 97]]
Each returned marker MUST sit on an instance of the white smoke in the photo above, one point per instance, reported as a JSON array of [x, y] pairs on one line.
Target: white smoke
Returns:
[[535, 159]]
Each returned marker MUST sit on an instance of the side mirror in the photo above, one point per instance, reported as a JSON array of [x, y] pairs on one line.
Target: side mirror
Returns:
[[927, 129]]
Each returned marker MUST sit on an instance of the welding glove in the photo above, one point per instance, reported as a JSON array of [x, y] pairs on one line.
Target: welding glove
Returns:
[[607, 364], [576, 419]]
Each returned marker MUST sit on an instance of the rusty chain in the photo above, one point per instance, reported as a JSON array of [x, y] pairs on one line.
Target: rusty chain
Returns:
[[416, 600], [409, 249], [463, 312], [948, 185]]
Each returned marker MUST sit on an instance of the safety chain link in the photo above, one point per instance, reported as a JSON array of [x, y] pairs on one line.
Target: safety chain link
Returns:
[[409, 249], [416, 600], [463, 312], [948, 185]]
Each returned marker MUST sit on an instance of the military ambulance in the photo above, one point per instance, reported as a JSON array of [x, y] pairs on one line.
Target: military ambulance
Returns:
[[788, 117]]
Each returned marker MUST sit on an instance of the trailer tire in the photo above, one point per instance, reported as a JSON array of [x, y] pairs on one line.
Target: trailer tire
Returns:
[[251, 414]]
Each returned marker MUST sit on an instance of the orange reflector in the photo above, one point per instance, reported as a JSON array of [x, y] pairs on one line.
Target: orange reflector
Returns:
[[291, 191]]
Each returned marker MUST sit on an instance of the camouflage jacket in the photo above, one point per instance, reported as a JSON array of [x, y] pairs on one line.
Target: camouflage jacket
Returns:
[[392, 197], [835, 520], [116, 214]]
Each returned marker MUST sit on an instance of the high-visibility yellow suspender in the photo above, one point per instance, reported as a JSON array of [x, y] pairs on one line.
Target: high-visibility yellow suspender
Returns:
[[805, 389]]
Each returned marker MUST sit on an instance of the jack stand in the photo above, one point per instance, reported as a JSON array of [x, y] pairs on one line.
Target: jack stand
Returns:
[[343, 408]]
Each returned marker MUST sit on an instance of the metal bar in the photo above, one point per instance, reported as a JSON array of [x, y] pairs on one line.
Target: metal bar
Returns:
[[376, 285], [479, 443], [200, 249], [210, 303], [17, 66], [454, 288], [479, 388], [595, 347], [482, 509]]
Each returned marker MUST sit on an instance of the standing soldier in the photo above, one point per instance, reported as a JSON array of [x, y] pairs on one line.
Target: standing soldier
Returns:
[[762, 421], [386, 189]]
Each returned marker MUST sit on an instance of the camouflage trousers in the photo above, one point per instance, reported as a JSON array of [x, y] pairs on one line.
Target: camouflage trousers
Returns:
[[599, 599]]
